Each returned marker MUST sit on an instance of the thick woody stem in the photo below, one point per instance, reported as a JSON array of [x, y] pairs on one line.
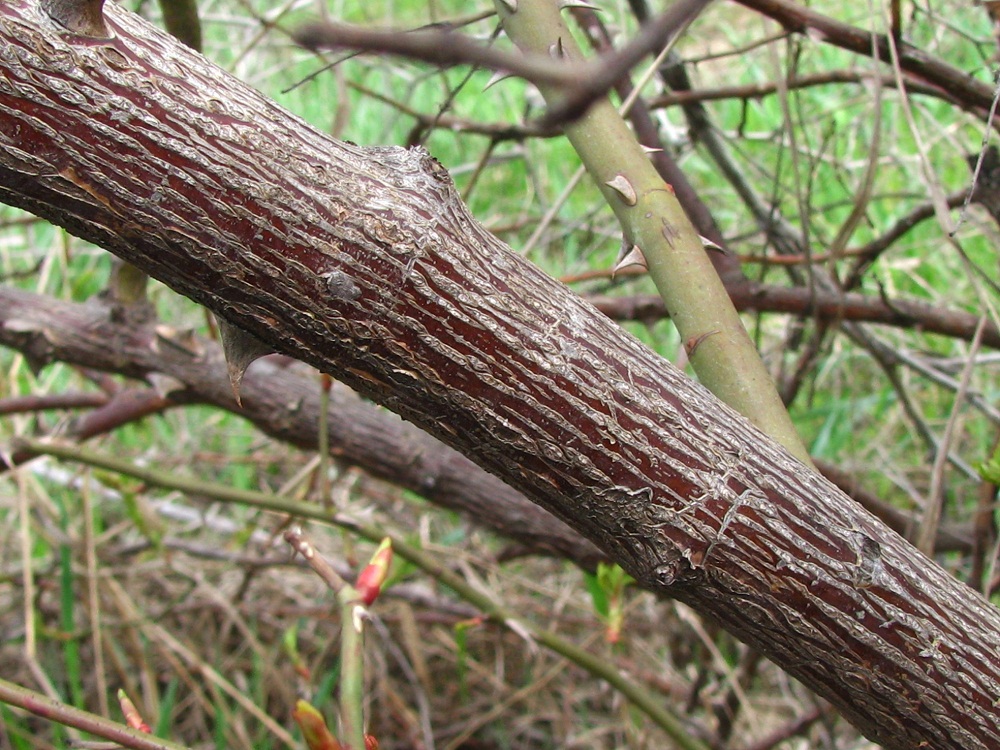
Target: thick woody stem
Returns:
[[364, 263]]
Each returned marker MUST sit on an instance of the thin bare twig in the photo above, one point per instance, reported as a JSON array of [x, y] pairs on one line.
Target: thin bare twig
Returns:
[[762, 90], [301, 544], [55, 710], [582, 83], [41, 402], [822, 304], [653, 37], [794, 727], [443, 47], [969, 93], [935, 500]]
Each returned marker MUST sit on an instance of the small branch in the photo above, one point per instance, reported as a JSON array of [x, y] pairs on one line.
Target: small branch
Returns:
[[652, 38], [123, 407], [969, 93], [822, 304], [762, 90], [890, 356], [352, 614], [648, 134], [582, 83], [126, 406], [935, 499], [301, 544], [54, 710], [495, 131], [442, 47], [35, 403], [655, 225]]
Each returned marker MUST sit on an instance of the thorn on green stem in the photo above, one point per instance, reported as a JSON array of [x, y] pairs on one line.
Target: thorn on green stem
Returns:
[[624, 188], [631, 256]]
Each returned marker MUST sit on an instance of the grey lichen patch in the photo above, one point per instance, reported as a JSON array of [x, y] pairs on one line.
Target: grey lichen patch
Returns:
[[341, 286], [666, 574], [39, 350], [868, 565]]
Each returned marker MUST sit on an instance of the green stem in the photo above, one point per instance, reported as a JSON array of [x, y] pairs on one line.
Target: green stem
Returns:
[[352, 672], [721, 352], [323, 491], [67, 618]]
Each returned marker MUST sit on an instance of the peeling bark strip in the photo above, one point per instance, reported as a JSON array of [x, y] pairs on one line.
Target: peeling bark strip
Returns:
[[364, 262]]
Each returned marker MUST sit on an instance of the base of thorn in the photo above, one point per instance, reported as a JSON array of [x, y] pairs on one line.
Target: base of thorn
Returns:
[[83, 17]]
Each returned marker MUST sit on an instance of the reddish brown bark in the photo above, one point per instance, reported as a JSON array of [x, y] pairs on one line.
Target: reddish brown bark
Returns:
[[282, 401], [365, 263]]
